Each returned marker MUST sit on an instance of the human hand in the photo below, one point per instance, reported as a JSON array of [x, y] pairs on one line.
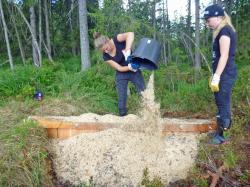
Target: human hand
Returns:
[[133, 67], [126, 54], [214, 83]]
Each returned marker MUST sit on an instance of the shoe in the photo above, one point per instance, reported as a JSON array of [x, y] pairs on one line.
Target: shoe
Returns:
[[211, 134], [217, 140], [227, 126]]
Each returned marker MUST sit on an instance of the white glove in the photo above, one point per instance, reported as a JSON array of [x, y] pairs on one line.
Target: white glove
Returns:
[[214, 85], [131, 68], [126, 54]]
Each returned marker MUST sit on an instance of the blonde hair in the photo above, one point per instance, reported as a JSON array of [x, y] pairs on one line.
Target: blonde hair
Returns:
[[226, 20], [99, 39]]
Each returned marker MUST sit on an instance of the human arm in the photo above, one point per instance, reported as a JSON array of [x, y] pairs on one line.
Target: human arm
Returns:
[[224, 53], [120, 68], [128, 37]]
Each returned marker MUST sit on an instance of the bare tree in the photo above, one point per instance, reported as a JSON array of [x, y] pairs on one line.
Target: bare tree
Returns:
[[12, 17], [6, 35], [84, 39], [168, 31], [197, 35], [71, 26], [189, 33], [34, 40], [154, 17], [35, 52], [40, 24], [48, 43], [164, 33]]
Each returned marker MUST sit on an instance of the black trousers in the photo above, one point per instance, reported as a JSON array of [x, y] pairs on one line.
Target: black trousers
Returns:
[[223, 101], [122, 79]]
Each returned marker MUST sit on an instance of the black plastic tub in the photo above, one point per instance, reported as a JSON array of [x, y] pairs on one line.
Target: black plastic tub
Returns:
[[147, 53]]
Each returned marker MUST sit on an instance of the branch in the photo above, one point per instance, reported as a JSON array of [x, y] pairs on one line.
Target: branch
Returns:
[[203, 56], [33, 37]]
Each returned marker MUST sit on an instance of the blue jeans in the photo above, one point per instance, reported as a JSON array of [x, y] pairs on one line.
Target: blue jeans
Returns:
[[122, 79], [223, 101]]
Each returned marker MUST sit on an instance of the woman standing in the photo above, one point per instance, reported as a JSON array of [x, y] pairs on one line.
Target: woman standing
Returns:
[[224, 68], [116, 52]]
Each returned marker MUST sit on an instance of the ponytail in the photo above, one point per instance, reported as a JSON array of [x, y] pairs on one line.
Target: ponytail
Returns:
[[226, 20], [99, 39]]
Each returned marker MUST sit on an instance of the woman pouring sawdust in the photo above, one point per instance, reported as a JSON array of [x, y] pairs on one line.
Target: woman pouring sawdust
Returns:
[[116, 52]]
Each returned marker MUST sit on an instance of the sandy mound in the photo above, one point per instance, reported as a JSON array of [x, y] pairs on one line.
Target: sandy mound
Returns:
[[117, 157]]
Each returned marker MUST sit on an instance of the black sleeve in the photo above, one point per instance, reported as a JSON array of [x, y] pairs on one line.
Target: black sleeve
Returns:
[[115, 39], [226, 31], [105, 57]]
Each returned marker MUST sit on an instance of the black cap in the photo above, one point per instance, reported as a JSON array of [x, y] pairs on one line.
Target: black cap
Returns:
[[213, 11]]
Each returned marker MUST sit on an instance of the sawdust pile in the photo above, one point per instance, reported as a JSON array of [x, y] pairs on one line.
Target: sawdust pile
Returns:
[[117, 157]]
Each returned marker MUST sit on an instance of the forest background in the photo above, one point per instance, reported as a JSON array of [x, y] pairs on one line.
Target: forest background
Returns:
[[48, 46]]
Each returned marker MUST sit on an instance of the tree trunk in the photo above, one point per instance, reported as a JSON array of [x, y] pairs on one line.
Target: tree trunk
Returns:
[[197, 35], [40, 24], [48, 43], [189, 18], [154, 17], [84, 39], [168, 29], [73, 47], [18, 39], [189, 32], [34, 40], [164, 34], [6, 36], [35, 51]]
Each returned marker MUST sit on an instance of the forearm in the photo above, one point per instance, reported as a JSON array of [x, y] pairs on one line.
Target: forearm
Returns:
[[129, 41], [221, 65], [123, 69], [117, 66]]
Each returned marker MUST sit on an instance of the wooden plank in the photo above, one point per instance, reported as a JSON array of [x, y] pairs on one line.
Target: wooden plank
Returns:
[[57, 124], [63, 129], [52, 133], [196, 128]]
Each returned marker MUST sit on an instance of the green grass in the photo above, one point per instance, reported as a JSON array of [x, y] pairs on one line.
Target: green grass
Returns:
[[178, 90], [70, 92], [23, 155]]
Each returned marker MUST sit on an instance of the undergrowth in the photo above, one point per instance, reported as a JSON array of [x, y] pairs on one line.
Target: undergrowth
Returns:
[[67, 91]]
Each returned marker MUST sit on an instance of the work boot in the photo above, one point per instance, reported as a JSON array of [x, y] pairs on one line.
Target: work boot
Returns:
[[217, 140], [122, 112], [227, 124]]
